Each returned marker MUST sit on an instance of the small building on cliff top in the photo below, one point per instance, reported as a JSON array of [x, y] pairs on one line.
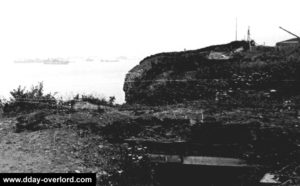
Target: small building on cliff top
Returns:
[[288, 44]]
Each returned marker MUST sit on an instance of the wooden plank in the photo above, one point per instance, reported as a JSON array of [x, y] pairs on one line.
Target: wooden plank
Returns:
[[146, 141], [214, 161], [198, 160], [160, 158], [177, 143]]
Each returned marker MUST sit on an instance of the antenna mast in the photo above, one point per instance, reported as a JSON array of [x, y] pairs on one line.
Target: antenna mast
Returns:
[[249, 38], [236, 29], [290, 32], [248, 34]]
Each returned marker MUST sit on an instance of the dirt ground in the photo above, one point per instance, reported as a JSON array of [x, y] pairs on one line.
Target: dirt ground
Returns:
[[85, 141], [52, 150]]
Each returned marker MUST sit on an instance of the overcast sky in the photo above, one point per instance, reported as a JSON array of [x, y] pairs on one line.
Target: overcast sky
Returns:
[[135, 28], [52, 28]]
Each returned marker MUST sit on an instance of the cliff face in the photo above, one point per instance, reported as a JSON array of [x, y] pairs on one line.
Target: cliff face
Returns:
[[210, 73]]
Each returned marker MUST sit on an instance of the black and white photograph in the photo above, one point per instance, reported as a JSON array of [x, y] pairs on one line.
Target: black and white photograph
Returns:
[[150, 93]]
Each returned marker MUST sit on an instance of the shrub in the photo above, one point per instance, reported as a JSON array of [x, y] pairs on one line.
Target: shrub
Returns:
[[29, 100], [112, 100], [98, 101]]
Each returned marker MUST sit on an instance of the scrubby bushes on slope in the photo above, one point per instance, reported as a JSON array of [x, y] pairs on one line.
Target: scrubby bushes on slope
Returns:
[[29, 100]]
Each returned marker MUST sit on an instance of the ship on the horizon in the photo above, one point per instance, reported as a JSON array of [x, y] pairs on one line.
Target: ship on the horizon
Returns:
[[49, 61]]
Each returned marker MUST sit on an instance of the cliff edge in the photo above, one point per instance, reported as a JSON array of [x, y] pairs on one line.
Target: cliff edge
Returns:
[[217, 72]]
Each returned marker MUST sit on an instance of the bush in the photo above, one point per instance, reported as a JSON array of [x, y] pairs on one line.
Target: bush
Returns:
[[29, 100], [97, 101]]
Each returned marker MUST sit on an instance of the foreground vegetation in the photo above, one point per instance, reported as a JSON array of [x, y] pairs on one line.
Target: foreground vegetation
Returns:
[[25, 101]]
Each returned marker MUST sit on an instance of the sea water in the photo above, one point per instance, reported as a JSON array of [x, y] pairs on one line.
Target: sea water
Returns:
[[101, 77]]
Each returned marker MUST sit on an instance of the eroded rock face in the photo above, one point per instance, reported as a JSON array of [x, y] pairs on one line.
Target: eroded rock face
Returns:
[[172, 77], [212, 73]]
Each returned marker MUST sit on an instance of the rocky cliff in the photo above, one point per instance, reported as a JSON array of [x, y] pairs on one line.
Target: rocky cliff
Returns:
[[215, 72]]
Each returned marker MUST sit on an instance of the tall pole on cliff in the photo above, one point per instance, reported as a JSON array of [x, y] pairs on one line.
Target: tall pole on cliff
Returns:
[[249, 38], [236, 28], [248, 34]]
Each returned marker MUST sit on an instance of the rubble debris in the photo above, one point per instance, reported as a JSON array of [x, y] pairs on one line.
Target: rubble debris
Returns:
[[84, 105], [238, 50], [270, 178], [218, 55]]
